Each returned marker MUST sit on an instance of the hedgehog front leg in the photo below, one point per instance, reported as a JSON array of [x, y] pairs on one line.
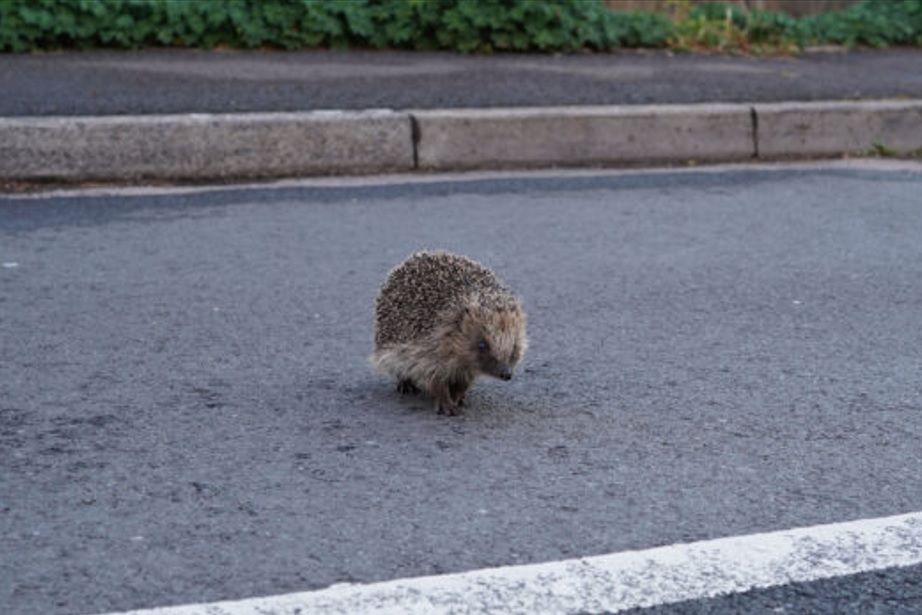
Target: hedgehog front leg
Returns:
[[443, 399]]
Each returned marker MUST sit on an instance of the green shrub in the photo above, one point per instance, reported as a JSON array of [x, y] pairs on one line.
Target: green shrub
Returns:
[[875, 23], [772, 28], [456, 25], [527, 25], [718, 11], [639, 29], [719, 25]]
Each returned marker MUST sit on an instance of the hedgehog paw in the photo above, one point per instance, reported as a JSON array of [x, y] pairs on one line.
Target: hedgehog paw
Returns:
[[448, 409]]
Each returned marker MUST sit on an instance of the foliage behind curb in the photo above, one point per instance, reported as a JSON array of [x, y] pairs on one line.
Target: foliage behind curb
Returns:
[[456, 25]]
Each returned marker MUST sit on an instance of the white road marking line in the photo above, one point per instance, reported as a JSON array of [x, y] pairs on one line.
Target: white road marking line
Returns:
[[617, 581]]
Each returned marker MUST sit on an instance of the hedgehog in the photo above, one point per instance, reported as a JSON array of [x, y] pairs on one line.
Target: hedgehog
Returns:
[[442, 320]]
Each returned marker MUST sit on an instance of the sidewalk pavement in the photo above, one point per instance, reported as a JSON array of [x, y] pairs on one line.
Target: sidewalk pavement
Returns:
[[184, 115]]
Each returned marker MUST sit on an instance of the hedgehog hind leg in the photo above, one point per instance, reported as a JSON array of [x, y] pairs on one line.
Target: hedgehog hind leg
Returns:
[[406, 386], [457, 391]]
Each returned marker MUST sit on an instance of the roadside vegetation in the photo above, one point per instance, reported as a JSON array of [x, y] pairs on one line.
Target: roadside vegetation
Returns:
[[466, 26]]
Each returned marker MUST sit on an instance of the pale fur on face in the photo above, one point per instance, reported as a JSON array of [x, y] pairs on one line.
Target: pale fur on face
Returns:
[[490, 340]]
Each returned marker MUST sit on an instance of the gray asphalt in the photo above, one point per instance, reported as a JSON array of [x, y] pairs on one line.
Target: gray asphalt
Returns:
[[186, 81], [186, 413]]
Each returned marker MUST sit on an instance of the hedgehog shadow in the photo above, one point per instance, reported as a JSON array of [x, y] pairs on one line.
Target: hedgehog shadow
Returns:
[[484, 404]]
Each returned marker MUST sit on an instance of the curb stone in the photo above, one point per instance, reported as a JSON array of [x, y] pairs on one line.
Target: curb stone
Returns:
[[835, 128], [204, 146], [272, 145], [570, 136]]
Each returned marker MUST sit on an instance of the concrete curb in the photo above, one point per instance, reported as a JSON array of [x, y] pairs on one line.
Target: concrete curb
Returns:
[[835, 128], [570, 136], [199, 147], [272, 145]]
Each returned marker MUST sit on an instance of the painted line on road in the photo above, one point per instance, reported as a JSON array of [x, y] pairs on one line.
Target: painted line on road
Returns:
[[615, 582]]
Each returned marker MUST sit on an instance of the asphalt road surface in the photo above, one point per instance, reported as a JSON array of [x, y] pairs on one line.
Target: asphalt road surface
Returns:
[[190, 81], [187, 415]]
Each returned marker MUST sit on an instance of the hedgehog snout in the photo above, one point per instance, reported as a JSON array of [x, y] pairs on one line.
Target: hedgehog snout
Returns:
[[504, 372]]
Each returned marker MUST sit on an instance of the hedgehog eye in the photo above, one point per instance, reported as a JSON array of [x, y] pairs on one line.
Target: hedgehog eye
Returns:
[[483, 346]]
